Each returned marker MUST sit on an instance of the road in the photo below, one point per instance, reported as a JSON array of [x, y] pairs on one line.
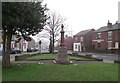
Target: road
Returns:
[[107, 57], [110, 58]]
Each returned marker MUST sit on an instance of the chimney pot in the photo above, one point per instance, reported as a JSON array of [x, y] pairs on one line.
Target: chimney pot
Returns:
[[116, 22], [109, 25]]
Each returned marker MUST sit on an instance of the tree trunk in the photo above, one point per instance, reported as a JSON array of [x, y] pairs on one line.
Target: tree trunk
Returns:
[[50, 46], [53, 43], [4, 50], [7, 48]]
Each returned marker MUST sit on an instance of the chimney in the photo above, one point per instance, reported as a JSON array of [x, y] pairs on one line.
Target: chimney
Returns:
[[109, 25], [116, 22]]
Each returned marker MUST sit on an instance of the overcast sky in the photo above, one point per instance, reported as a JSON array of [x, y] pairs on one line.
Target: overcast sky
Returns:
[[85, 14]]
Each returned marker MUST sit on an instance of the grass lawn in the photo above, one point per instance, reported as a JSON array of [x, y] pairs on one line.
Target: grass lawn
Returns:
[[54, 56], [55, 72]]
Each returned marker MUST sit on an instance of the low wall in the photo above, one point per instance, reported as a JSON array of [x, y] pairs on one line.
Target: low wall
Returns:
[[22, 57], [86, 56]]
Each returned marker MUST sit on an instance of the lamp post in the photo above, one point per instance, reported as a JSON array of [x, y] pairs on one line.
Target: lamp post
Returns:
[[40, 45]]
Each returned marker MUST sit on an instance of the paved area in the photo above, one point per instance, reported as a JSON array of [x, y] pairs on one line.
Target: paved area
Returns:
[[110, 58]]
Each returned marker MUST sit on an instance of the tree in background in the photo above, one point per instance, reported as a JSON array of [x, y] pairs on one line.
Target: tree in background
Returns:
[[53, 28], [20, 18]]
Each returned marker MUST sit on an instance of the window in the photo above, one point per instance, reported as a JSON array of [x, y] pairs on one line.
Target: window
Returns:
[[75, 46], [81, 38], [116, 45], [76, 38], [110, 35], [99, 44], [109, 45], [25, 47], [99, 35]]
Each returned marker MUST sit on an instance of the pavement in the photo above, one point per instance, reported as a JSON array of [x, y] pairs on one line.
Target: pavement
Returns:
[[109, 58]]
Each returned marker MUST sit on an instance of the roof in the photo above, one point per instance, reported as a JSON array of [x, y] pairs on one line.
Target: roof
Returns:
[[105, 28], [83, 32]]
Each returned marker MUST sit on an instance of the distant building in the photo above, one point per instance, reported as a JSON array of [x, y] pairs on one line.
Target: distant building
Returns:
[[83, 41], [107, 38], [22, 45], [31, 44], [69, 42]]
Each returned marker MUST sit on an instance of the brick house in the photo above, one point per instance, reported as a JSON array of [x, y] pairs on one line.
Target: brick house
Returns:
[[106, 39], [21, 45], [68, 40], [83, 41], [69, 43], [24, 45]]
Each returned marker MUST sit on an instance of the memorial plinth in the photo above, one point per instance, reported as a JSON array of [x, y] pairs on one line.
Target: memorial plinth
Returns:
[[62, 57]]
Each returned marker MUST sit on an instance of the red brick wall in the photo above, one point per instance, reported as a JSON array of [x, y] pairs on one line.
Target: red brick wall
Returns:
[[104, 36], [104, 44], [69, 43], [87, 40], [76, 39]]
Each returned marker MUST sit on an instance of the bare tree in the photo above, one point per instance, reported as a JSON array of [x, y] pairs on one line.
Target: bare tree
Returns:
[[53, 28]]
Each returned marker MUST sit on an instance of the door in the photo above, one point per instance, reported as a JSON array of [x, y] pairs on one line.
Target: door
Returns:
[[79, 47]]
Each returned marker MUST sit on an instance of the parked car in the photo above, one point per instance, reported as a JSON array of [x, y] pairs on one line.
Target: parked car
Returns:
[[29, 50], [0, 52], [32, 50], [15, 51], [35, 50]]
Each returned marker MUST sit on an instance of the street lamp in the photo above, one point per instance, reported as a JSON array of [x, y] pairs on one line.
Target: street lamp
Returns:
[[40, 45]]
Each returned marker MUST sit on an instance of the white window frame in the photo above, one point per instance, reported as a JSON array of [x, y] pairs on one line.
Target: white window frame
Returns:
[[98, 35], [109, 34], [76, 46], [109, 44], [116, 45]]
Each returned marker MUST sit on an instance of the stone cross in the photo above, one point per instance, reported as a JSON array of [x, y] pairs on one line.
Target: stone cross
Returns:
[[62, 36], [62, 57]]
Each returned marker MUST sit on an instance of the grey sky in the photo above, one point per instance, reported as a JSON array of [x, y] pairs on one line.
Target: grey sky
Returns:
[[85, 14]]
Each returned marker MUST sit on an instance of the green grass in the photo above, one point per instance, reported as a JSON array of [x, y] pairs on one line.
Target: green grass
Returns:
[[54, 56], [55, 72]]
